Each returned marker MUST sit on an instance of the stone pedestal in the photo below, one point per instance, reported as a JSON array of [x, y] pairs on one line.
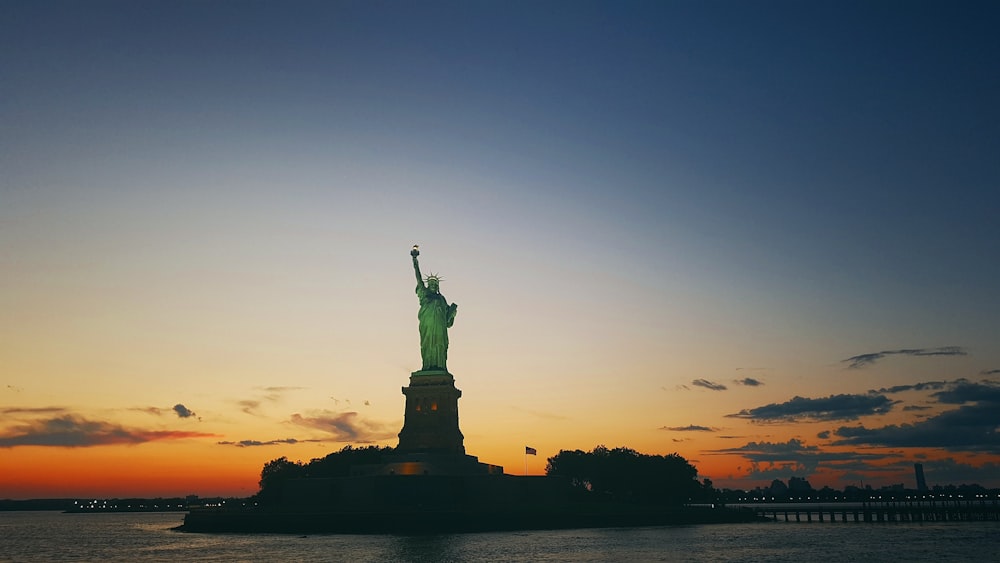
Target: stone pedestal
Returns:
[[431, 417]]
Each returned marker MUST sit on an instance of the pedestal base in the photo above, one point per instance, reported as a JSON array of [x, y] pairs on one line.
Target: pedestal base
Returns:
[[431, 416], [429, 464]]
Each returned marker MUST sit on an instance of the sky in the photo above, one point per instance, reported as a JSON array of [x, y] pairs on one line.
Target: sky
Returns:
[[761, 235]]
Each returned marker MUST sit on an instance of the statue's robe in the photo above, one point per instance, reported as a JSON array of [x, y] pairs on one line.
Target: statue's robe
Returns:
[[435, 317]]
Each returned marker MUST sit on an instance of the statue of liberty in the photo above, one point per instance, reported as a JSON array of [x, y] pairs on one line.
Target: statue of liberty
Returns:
[[436, 316]]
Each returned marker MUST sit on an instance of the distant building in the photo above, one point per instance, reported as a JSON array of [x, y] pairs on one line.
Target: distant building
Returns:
[[778, 488], [799, 485], [921, 482]]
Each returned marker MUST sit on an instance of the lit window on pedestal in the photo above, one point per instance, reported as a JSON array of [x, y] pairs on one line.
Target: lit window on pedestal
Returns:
[[434, 406]]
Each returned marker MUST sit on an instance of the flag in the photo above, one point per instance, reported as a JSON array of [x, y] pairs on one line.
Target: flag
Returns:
[[528, 450]]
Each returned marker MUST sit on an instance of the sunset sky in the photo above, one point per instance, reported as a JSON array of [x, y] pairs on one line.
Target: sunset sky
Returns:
[[763, 235]]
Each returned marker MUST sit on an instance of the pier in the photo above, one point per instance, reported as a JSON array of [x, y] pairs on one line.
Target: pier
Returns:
[[885, 511]]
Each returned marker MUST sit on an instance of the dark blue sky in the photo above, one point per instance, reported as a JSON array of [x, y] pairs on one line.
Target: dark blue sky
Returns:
[[862, 121]]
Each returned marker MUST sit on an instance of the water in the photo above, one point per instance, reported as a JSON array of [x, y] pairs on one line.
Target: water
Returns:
[[54, 536]]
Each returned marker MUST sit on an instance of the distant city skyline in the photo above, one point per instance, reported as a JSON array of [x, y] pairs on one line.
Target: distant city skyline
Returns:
[[760, 235]]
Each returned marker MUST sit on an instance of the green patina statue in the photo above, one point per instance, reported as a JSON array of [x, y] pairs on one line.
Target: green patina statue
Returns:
[[436, 316]]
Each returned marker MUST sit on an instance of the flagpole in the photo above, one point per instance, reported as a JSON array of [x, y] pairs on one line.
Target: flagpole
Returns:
[[528, 450]]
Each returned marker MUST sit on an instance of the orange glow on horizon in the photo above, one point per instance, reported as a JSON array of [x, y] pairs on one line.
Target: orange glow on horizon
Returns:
[[178, 470], [110, 472]]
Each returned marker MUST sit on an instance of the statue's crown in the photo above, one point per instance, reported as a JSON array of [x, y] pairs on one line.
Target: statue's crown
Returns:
[[433, 277]]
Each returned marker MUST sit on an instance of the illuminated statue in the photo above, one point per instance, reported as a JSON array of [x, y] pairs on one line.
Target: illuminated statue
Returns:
[[436, 316]]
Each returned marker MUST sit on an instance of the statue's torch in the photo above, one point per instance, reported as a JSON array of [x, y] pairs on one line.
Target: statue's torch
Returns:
[[416, 251]]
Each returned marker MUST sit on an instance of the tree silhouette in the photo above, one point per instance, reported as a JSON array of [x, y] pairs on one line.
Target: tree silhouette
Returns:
[[279, 471], [339, 464], [625, 474], [273, 477]]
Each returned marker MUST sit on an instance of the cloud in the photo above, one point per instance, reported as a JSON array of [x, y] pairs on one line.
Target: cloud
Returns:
[[974, 426], [32, 410], [958, 391], [964, 391], [984, 372], [183, 411], [772, 451], [780, 471], [272, 394], [949, 472], [249, 406], [74, 432], [834, 407], [824, 435], [749, 382], [947, 430], [253, 443], [781, 459], [862, 360], [709, 384], [344, 427], [689, 428], [923, 386]]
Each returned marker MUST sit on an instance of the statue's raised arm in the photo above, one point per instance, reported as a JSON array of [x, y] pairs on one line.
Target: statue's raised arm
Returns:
[[416, 265], [435, 317]]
